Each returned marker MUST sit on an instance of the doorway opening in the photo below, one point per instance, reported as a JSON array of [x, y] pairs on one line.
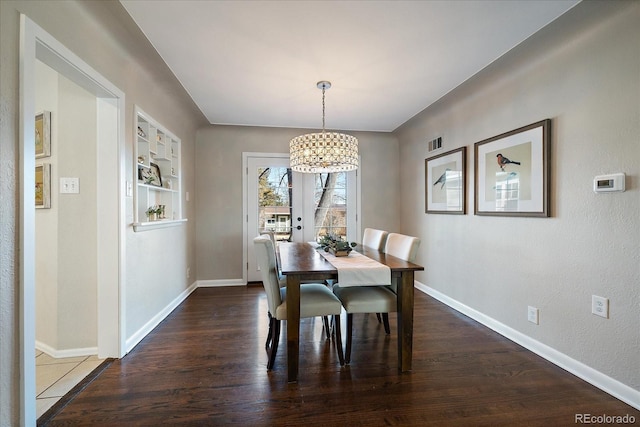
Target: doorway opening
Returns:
[[38, 45]]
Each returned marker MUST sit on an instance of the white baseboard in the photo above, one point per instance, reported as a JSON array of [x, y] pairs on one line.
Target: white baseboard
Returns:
[[70, 352], [220, 283], [133, 340], [603, 382]]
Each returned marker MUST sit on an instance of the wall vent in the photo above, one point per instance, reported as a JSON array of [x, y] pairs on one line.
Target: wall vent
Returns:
[[435, 144]]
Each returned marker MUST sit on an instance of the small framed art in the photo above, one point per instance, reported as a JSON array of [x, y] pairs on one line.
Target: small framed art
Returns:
[[512, 172], [445, 183], [150, 175], [43, 186], [43, 134]]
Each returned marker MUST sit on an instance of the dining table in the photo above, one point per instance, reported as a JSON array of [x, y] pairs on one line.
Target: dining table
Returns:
[[301, 262]]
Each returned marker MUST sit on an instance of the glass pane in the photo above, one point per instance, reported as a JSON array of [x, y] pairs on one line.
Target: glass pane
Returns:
[[274, 201], [330, 198]]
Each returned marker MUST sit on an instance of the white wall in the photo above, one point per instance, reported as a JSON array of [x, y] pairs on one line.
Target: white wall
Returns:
[[583, 72], [219, 221], [66, 305], [46, 221]]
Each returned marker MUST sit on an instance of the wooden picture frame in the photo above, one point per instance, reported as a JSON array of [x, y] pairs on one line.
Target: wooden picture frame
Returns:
[[512, 172], [445, 183], [43, 134], [43, 186]]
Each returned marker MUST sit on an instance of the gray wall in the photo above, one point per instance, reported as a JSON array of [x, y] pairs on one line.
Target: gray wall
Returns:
[[219, 189], [583, 72], [104, 36]]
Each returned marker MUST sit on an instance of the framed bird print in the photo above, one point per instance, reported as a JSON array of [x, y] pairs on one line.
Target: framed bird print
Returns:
[[445, 183], [512, 172]]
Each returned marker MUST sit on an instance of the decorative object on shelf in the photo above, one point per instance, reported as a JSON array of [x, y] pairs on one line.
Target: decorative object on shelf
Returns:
[[326, 151], [150, 176], [167, 183], [152, 213], [141, 132], [43, 134], [512, 172], [43, 186], [336, 246], [141, 159], [446, 183]]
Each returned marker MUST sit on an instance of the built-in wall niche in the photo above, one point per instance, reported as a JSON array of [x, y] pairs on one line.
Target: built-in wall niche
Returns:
[[158, 171]]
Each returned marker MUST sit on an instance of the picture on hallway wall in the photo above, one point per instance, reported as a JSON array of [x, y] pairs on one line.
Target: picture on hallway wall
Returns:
[[446, 183], [43, 134], [512, 172], [43, 186]]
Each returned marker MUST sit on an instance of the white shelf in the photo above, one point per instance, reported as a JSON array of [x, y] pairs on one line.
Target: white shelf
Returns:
[[156, 188], [158, 147], [154, 225]]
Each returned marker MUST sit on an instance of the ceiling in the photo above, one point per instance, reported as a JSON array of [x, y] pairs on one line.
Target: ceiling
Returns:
[[256, 63]]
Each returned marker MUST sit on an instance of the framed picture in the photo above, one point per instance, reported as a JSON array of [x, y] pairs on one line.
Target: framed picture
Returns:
[[43, 134], [512, 172], [150, 175], [445, 185], [43, 186]]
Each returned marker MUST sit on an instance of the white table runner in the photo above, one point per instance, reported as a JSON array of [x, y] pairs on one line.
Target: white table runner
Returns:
[[358, 270]]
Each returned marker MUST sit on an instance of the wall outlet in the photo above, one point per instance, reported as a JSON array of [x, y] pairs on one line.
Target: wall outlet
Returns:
[[533, 315], [188, 272], [600, 306]]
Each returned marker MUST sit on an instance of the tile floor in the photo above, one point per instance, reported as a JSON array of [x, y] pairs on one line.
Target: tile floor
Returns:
[[56, 377]]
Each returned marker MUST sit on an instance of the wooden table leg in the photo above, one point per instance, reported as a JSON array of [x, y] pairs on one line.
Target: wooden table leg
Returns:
[[293, 325], [405, 321]]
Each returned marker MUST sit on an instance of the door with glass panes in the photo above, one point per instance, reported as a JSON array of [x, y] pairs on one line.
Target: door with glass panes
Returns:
[[296, 207]]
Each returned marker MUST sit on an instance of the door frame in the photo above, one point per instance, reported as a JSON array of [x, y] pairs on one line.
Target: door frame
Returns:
[[245, 203], [37, 44]]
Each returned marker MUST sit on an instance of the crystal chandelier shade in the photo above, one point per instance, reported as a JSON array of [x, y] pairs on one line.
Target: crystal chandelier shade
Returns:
[[324, 151]]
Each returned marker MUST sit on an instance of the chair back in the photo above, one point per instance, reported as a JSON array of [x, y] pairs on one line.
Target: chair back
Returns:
[[401, 246], [374, 239], [266, 257], [272, 236]]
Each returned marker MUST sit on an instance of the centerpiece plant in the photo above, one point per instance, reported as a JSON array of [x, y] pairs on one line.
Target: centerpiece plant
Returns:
[[336, 245]]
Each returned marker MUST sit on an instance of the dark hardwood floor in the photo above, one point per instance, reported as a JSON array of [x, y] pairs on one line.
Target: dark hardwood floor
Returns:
[[206, 365]]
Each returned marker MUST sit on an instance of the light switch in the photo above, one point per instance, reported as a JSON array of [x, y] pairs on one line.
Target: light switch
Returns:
[[69, 185]]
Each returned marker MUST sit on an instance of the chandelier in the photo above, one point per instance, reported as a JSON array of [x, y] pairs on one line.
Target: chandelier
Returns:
[[325, 151]]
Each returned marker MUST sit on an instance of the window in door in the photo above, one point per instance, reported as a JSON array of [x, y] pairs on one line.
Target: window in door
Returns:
[[274, 201], [330, 205]]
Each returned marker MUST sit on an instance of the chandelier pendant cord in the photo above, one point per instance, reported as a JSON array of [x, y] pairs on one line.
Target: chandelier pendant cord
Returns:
[[323, 108]]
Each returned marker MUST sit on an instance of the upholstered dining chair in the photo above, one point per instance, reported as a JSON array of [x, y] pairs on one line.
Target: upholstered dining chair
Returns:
[[374, 239], [315, 300], [282, 281], [376, 299]]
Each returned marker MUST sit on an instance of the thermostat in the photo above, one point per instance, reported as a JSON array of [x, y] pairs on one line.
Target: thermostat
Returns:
[[608, 183]]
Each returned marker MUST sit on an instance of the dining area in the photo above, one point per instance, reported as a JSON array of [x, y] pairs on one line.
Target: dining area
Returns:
[[305, 279]]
